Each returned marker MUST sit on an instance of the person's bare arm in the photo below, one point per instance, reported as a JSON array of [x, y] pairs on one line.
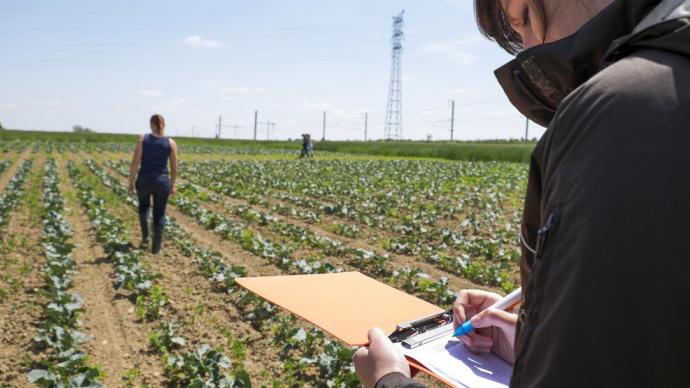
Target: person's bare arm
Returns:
[[136, 160], [173, 165]]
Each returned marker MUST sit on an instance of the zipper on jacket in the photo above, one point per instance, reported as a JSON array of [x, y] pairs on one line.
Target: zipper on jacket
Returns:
[[543, 233]]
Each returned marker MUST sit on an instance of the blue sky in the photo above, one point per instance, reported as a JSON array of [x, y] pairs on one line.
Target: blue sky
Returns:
[[109, 65]]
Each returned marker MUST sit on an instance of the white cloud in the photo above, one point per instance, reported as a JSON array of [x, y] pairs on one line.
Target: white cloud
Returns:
[[241, 90], [10, 107], [455, 50], [150, 93], [199, 41], [458, 91]]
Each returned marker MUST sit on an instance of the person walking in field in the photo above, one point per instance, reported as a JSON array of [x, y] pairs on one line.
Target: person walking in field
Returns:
[[605, 263], [307, 147], [154, 180]]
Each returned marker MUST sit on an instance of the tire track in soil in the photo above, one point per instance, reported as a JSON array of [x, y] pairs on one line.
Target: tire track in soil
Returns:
[[21, 276], [118, 344]]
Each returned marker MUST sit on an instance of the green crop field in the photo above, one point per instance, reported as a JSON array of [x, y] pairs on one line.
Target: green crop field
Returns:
[[80, 301]]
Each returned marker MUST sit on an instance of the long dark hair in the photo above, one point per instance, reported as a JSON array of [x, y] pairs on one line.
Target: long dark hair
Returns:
[[494, 24]]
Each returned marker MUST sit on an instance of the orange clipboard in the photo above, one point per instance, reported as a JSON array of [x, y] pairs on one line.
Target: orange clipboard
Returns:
[[345, 304]]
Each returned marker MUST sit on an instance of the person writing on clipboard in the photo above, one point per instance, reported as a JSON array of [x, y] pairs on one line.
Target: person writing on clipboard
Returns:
[[605, 263]]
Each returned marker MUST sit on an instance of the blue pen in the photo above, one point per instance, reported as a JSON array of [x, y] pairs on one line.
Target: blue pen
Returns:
[[507, 302]]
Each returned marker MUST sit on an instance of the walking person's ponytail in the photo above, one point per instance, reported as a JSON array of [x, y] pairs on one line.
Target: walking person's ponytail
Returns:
[[157, 124]]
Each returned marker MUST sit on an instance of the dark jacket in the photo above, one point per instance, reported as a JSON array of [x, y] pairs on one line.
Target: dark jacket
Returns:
[[606, 297]]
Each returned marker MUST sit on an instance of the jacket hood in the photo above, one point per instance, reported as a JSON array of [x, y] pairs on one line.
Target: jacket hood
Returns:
[[539, 78]]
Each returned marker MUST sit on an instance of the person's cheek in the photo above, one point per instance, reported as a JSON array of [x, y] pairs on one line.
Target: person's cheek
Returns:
[[529, 39], [536, 30]]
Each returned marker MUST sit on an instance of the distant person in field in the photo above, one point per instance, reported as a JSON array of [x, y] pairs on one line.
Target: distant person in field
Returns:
[[307, 147], [154, 180], [605, 261]]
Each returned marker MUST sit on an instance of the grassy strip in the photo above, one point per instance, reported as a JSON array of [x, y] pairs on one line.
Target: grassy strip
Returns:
[[518, 152], [509, 151]]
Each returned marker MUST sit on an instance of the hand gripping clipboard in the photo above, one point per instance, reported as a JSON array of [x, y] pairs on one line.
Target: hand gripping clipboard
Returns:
[[348, 304]]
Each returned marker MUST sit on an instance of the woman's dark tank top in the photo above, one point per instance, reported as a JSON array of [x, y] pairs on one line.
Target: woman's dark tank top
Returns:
[[156, 151]]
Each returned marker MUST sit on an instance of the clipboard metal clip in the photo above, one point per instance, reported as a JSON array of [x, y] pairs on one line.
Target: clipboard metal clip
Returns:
[[423, 330]]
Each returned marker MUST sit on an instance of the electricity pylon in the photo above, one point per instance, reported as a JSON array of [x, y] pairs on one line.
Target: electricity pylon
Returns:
[[393, 129]]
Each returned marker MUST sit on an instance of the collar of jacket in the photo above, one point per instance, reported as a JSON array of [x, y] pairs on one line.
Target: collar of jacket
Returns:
[[539, 78]]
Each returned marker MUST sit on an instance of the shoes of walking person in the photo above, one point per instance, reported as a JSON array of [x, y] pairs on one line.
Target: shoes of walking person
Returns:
[[157, 241]]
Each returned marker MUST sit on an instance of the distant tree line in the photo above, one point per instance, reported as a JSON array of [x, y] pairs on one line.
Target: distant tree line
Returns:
[[80, 129]]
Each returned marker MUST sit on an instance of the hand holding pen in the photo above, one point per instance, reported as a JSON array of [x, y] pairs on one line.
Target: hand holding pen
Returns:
[[494, 328]]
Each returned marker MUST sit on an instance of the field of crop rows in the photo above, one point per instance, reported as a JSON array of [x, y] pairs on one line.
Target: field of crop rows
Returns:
[[81, 304]]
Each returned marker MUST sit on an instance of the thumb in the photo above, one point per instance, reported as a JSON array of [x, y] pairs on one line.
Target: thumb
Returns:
[[492, 317], [375, 336]]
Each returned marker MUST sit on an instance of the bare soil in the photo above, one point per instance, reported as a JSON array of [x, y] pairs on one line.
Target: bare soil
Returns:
[[207, 315], [119, 344], [21, 282]]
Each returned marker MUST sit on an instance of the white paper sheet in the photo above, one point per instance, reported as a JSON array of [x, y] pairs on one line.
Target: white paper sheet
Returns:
[[449, 358]]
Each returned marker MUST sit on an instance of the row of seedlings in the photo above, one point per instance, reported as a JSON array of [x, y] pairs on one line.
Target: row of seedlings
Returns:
[[301, 349], [412, 280], [4, 164], [66, 365], [13, 193], [203, 366], [249, 240], [479, 246]]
